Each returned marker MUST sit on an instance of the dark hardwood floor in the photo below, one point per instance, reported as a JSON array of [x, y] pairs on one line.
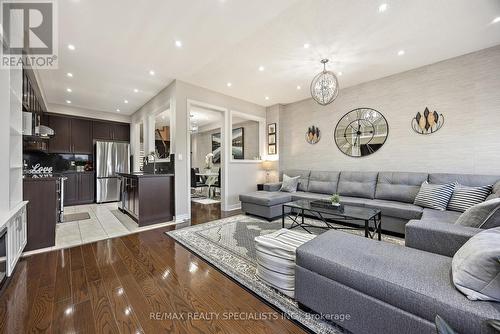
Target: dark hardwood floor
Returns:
[[141, 283]]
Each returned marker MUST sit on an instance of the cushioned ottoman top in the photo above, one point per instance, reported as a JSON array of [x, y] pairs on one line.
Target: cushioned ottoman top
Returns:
[[266, 198]]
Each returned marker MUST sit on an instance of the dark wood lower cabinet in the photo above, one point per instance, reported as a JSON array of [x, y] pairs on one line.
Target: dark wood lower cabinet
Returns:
[[79, 188], [42, 212], [148, 199]]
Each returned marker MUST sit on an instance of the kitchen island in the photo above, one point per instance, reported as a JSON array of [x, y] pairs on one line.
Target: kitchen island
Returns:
[[148, 198]]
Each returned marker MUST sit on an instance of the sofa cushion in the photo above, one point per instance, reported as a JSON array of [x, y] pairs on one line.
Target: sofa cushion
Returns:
[[439, 216], [414, 281], [484, 215], [266, 198], [355, 201], [303, 179], [357, 184], [308, 195], [396, 209], [434, 196], [289, 183], [399, 186], [465, 197], [476, 266], [470, 180], [323, 182]]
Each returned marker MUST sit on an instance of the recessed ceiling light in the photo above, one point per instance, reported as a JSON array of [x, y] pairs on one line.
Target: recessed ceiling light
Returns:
[[71, 47], [151, 72], [68, 101], [69, 75], [306, 46], [117, 110], [299, 88], [261, 68], [69, 90], [383, 7], [401, 52], [340, 74], [178, 44], [496, 20], [229, 84], [267, 97], [136, 90], [125, 101]]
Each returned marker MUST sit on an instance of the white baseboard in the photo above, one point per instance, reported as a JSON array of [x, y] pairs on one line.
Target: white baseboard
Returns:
[[233, 207], [183, 217]]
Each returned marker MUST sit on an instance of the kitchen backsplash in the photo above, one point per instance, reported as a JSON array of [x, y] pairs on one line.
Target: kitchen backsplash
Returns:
[[56, 162]]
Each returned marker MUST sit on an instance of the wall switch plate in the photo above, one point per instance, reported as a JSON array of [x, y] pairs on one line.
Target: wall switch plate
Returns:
[[180, 156]]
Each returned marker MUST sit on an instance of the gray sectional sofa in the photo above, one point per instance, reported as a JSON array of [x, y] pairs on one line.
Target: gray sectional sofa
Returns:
[[386, 288], [391, 192]]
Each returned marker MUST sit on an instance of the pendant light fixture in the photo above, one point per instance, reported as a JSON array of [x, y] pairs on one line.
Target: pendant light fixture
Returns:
[[325, 86]]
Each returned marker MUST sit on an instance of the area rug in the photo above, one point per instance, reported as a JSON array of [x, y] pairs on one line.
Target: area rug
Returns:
[[228, 244], [72, 217]]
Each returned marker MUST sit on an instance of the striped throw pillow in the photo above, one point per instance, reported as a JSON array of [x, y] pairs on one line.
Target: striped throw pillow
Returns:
[[434, 196], [465, 197]]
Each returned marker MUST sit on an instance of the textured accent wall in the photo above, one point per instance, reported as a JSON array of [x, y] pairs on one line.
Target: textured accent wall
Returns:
[[466, 90]]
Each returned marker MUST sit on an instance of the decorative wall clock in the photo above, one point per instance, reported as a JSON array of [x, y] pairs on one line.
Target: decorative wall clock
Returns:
[[361, 132], [313, 135], [427, 123]]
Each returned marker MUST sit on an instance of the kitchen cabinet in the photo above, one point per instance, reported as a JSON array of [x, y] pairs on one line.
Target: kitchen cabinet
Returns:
[[111, 131], [121, 132], [61, 142], [86, 185], [42, 211], [148, 198], [72, 135], [81, 136], [71, 189], [79, 188]]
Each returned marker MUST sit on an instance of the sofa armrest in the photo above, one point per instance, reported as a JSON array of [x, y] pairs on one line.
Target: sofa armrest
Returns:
[[272, 186], [438, 238]]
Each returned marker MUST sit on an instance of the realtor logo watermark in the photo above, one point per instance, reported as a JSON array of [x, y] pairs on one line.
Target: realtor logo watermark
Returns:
[[29, 34]]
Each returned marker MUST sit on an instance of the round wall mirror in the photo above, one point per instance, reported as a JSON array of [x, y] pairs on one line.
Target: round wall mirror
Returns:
[[361, 132]]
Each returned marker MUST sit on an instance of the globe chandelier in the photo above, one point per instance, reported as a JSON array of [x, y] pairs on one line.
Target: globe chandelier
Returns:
[[325, 86]]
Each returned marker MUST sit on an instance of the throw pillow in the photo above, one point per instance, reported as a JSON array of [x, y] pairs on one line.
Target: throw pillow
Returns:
[[465, 197], [483, 215], [495, 193], [434, 196], [476, 266], [290, 184]]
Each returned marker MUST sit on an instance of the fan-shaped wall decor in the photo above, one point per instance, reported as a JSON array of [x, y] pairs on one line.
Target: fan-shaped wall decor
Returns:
[[427, 123], [313, 135]]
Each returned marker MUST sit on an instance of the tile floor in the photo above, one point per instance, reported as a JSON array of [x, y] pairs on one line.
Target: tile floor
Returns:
[[102, 225]]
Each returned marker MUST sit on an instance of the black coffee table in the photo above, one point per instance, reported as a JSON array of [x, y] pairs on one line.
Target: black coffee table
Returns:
[[370, 218]]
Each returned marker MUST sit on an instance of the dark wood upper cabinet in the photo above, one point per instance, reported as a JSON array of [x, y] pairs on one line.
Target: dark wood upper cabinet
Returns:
[[81, 136], [121, 132], [61, 142], [103, 130], [111, 131]]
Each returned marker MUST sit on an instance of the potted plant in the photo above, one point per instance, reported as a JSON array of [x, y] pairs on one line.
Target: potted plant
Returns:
[[335, 199]]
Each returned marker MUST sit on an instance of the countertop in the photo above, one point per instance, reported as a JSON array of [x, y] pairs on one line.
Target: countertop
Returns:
[[139, 175], [51, 177]]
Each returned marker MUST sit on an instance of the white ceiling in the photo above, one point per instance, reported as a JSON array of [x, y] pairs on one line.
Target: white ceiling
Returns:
[[119, 41]]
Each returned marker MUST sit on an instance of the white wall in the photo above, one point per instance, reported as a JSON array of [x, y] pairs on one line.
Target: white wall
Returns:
[[240, 179], [176, 97], [466, 90], [82, 112]]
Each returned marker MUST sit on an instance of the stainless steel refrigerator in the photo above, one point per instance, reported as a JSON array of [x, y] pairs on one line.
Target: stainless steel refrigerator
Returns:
[[111, 158]]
